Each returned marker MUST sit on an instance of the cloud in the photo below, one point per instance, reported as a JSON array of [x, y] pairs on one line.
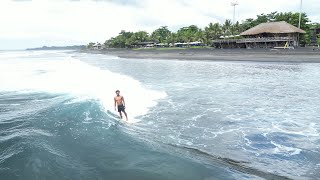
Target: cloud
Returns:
[[123, 2], [67, 22], [21, 0]]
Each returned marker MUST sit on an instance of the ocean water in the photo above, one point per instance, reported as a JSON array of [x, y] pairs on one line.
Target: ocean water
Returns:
[[188, 119]]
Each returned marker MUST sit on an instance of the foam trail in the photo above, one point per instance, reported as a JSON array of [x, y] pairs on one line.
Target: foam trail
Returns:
[[80, 79]]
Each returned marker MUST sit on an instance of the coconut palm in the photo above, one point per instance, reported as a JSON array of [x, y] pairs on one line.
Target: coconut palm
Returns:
[[161, 34], [226, 27]]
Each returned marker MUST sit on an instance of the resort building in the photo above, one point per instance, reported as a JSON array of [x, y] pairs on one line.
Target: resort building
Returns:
[[98, 46], [188, 44], [145, 44], [314, 38], [152, 44], [266, 35]]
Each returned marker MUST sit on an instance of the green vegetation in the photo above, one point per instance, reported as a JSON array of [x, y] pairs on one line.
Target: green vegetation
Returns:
[[209, 33], [90, 45]]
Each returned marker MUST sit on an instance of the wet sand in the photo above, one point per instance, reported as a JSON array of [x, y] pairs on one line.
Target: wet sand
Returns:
[[265, 55]]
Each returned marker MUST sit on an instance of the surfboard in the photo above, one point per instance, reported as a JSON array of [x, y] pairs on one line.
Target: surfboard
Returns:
[[117, 117]]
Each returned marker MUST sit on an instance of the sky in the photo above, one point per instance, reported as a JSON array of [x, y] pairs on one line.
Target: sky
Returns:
[[36, 23]]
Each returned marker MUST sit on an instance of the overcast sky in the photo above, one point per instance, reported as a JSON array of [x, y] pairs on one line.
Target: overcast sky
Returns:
[[34, 23]]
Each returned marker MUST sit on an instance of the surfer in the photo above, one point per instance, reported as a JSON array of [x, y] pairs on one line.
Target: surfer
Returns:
[[119, 100]]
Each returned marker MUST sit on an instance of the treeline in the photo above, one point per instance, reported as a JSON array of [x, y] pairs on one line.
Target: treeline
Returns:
[[209, 33]]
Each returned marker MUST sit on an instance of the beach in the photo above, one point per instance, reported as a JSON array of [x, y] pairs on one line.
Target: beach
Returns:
[[306, 55]]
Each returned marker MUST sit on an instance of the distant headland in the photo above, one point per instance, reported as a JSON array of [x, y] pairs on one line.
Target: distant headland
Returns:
[[74, 47]]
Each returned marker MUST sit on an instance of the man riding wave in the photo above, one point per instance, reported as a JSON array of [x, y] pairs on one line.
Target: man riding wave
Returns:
[[120, 104]]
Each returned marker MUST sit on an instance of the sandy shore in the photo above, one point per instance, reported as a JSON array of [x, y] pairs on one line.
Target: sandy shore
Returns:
[[267, 55]]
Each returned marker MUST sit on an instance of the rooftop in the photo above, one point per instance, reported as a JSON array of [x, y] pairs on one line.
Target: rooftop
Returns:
[[272, 27]]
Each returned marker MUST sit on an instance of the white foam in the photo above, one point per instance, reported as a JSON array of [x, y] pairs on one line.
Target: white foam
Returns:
[[284, 150], [77, 78], [297, 128]]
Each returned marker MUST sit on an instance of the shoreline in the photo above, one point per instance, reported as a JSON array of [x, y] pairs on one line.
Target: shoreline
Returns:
[[300, 55]]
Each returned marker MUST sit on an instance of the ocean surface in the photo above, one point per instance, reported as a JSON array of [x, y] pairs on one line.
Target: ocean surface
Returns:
[[189, 120]]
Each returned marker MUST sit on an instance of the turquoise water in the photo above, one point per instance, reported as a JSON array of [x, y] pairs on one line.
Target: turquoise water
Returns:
[[189, 119]]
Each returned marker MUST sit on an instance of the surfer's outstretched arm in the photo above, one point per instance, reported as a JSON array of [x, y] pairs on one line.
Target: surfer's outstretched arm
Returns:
[[115, 103]]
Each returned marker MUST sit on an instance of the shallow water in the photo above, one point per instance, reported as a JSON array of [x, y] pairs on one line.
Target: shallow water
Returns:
[[194, 120]]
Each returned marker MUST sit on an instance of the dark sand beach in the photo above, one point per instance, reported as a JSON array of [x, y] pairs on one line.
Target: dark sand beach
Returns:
[[265, 55]]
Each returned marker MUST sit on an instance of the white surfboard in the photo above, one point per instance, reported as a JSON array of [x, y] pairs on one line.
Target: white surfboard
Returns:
[[130, 120]]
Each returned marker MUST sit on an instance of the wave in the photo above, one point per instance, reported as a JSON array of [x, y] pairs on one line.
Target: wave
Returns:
[[55, 111], [47, 134], [68, 75], [241, 166]]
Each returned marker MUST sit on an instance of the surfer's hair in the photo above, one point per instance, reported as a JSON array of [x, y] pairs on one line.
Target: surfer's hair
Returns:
[[117, 91]]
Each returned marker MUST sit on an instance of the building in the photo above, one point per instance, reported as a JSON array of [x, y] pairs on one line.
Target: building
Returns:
[[97, 46], [145, 44], [266, 35], [189, 44], [314, 37]]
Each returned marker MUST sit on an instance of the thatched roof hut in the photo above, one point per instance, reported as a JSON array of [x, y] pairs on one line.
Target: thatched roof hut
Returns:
[[280, 27]]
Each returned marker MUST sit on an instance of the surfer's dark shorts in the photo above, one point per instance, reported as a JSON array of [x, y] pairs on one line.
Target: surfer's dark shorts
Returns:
[[121, 108]]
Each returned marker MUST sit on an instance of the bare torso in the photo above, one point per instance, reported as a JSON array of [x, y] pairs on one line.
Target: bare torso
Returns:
[[118, 99]]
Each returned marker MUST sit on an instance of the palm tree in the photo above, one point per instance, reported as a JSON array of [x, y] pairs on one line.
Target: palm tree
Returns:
[[217, 30], [161, 34], [172, 38], [226, 27], [200, 36]]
